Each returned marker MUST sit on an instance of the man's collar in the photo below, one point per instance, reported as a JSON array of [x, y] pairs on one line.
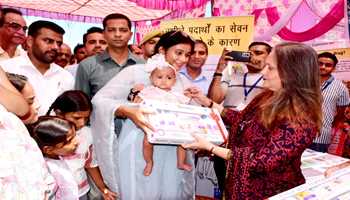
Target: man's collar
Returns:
[[52, 67], [330, 79], [131, 57], [201, 76], [104, 55]]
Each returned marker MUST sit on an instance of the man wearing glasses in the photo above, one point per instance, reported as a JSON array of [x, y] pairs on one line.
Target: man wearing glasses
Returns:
[[335, 99], [12, 33]]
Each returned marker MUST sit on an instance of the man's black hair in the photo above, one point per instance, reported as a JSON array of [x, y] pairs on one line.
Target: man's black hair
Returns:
[[36, 26], [77, 47], [329, 55], [268, 47], [116, 16], [91, 30]]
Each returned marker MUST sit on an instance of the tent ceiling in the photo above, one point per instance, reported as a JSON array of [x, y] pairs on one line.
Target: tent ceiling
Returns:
[[90, 8]]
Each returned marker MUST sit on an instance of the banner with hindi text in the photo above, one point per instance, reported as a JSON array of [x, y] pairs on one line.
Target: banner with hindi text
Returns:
[[234, 33]]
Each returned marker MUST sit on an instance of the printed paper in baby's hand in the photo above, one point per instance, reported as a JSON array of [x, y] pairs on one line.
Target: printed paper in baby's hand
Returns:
[[174, 123]]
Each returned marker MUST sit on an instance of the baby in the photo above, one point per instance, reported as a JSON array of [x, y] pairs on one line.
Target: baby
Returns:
[[163, 78]]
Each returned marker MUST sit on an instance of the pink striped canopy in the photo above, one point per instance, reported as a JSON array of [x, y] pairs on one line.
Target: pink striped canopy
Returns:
[[84, 10]]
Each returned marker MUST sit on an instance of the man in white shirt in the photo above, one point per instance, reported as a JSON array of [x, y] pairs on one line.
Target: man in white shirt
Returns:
[[236, 90], [12, 33], [48, 79]]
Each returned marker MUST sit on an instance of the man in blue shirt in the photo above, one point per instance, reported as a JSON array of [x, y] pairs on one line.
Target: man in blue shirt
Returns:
[[194, 69]]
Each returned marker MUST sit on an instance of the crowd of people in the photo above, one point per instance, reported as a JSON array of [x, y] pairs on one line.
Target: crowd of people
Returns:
[[69, 127]]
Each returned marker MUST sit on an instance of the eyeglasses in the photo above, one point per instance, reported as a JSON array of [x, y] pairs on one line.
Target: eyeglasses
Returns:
[[325, 64], [16, 27]]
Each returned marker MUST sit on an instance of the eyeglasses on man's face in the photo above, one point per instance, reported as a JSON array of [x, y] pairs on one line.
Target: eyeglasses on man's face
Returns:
[[16, 27]]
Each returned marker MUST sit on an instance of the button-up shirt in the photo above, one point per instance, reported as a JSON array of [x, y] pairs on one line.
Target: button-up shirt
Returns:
[[48, 86], [94, 72], [334, 94], [202, 81]]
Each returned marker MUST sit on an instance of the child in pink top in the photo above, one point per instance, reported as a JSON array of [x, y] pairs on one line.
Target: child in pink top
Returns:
[[75, 106], [56, 137]]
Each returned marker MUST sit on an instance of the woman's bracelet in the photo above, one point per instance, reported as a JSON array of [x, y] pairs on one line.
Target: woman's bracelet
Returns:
[[132, 94], [217, 74]]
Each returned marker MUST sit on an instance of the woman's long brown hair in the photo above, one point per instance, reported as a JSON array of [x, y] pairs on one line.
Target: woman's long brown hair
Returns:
[[299, 100]]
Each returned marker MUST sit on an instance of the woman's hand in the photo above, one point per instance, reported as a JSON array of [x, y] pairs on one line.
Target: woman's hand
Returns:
[[138, 116], [109, 195], [197, 95], [199, 143]]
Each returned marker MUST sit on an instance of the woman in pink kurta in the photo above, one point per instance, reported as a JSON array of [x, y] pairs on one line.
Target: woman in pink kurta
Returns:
[[268, 137]]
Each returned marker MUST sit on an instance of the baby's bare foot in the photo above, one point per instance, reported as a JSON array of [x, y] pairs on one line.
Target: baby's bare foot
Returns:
[[148, 169]]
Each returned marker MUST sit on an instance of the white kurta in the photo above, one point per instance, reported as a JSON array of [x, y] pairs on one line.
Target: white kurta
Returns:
[[122, 167]]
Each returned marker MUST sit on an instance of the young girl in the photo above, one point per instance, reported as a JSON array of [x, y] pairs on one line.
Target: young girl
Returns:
[[163, 78], [76, 107], [56, 138], [21, 83]]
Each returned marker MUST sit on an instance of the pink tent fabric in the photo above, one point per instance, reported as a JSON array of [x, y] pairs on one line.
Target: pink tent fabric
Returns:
[[316, 22], [84, 10]]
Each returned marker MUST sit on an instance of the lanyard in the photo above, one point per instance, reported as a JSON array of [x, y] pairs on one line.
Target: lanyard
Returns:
[[327, 83], [246, 92]]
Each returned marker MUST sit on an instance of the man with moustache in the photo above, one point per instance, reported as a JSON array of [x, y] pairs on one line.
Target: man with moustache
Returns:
[[236, 90], [12, 33], [194, 69], [149, 42], [94, 72], [64, 56], [48, 79], [94, 41]]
